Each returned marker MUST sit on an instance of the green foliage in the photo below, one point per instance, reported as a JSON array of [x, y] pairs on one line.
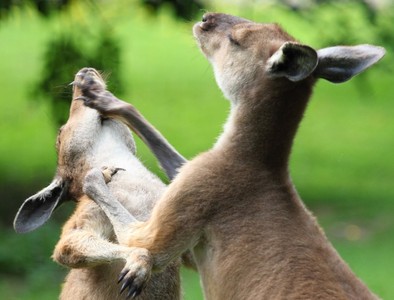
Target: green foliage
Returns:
[[353, 25], [185, 9], [44, 7], [30, 273], [21, 262], [65, 55], [74, 46], [5, 6]]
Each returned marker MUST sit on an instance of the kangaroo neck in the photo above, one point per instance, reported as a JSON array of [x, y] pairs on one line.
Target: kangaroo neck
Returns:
[[263, 122]]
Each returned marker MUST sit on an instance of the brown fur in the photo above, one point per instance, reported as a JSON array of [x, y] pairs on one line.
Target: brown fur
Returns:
[[235, 205], [89, 244]]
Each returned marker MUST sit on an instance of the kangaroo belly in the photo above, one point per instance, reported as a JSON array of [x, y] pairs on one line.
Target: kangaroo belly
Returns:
[[99, 283]]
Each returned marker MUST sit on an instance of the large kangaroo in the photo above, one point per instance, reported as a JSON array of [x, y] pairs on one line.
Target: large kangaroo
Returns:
[[89, 244], [235, 205]]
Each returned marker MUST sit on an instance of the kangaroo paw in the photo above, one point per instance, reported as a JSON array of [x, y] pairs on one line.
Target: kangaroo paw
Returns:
[[108, 172], [93, 92], [136, 272]]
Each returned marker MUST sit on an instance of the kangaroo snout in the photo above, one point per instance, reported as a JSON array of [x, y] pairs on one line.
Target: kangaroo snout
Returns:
[[207, 22], [214, 30], [222, 21]]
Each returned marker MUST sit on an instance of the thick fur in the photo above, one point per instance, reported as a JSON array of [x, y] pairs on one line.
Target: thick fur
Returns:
[[235, 205], [89, 244]]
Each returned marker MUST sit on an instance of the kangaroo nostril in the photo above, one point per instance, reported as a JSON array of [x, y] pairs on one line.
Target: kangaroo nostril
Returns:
[[207, 22]]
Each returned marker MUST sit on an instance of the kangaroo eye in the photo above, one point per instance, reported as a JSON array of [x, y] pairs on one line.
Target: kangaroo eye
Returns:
[[233, 41]]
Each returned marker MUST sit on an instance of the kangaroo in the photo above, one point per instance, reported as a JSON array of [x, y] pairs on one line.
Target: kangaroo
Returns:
[[89, 244], [235, 205]]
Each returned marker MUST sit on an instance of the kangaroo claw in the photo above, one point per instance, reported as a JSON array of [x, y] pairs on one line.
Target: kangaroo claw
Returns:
[[108, 172], [136, 273]]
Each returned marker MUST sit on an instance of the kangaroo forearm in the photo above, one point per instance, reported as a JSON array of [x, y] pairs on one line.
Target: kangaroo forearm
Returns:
[[97, 190], [110, 106], [164, 239], [161, 234], [81, 249], [169, 159]]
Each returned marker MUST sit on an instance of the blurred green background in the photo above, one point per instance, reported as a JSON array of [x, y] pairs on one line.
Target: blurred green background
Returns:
[[342, 162]]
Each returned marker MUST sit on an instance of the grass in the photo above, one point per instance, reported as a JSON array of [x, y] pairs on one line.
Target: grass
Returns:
[[341, 163]]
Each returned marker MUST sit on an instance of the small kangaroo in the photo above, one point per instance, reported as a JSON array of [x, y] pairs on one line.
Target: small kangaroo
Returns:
[[89, 244], [235, 205]]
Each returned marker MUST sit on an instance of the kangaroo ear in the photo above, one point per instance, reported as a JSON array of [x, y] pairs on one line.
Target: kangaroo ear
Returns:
[[37, 209], [340, 63], [293, 61]]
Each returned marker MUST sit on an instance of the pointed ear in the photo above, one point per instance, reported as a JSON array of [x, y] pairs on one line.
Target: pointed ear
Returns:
[[339, 64], [293, 61], [37, 209]]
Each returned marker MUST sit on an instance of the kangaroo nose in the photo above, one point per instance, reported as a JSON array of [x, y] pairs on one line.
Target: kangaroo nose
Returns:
[[207, 21]]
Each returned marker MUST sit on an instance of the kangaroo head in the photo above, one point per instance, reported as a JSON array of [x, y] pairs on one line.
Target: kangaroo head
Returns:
[[244, 54], [77, 147], [77, 137]]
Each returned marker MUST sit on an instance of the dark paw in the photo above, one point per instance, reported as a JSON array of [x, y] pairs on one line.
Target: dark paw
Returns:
[[129, 283], [136, 273], [89, 81]]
